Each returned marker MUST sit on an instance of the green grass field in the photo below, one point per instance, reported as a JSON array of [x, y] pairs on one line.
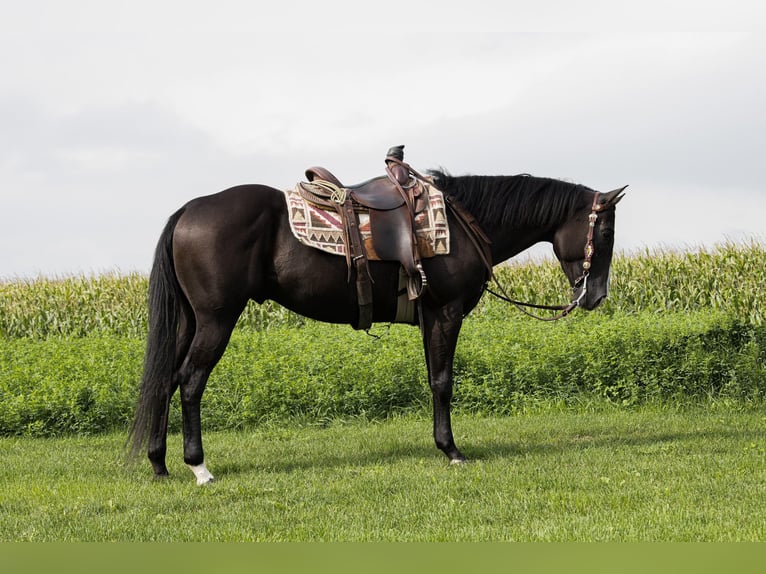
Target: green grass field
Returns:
[[598, 474], [642, 421]]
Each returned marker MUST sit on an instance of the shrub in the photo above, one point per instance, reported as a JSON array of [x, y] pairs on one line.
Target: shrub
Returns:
[[323, 372]]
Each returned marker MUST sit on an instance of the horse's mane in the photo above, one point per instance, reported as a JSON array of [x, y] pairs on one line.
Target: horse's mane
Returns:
[[512, 200]]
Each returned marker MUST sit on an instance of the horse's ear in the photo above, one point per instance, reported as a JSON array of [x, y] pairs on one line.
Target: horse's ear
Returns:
[[612, 198]]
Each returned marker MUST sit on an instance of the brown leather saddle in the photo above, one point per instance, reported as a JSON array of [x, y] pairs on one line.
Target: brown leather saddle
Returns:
[[392, 201]]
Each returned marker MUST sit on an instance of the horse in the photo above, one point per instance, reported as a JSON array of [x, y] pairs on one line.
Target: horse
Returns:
[[219, 251]]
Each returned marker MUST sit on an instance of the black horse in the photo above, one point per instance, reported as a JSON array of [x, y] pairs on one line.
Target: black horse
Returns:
[[219, 251]]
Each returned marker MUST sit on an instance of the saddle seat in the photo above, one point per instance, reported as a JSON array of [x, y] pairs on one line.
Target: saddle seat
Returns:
[[379, 193], [393, 201]]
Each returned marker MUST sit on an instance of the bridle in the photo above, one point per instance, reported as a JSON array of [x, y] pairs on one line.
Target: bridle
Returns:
[[582, 280]]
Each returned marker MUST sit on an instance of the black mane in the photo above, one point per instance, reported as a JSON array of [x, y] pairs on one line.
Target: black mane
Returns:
[[513, 200]]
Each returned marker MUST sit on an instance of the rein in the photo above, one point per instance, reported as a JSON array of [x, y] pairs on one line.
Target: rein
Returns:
[[582, 280]]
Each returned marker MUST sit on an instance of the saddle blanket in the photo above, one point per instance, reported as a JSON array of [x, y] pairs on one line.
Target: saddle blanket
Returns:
[[323, 230]]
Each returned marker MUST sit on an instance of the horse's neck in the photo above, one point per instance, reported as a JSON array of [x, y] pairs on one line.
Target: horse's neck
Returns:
[[507, 243]]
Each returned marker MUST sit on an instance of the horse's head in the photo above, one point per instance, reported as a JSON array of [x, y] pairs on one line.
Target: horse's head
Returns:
[[583, 246]]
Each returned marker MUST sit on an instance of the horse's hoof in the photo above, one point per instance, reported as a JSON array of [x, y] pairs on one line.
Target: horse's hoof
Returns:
[[202, 473], [458, 462]]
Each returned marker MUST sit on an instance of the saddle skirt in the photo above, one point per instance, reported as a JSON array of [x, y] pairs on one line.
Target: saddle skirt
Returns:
[[323, 229]]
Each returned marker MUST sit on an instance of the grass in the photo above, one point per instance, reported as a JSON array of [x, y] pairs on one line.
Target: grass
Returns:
[[591, 474]]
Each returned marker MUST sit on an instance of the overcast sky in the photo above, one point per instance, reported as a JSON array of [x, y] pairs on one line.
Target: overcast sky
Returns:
[[115, 113]]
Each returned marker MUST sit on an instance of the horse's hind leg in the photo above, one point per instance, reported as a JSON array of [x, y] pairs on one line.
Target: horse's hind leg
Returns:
[[158, 435], [209, 343]]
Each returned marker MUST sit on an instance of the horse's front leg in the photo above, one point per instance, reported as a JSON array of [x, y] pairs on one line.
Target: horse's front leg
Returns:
[[440, 328]]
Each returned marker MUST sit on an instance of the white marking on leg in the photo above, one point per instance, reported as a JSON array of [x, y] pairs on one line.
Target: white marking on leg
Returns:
[[202, 473]]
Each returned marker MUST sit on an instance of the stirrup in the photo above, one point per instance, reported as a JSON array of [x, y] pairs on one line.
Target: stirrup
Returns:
[[413, 291]]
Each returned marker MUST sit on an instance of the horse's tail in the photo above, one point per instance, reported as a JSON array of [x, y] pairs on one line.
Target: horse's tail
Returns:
[[160, 357]]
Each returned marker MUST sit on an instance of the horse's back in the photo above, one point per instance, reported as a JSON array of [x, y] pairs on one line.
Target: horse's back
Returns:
[[241, 203]]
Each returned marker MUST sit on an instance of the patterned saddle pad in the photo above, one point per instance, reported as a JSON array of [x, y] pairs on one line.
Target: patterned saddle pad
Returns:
[[323, 230]]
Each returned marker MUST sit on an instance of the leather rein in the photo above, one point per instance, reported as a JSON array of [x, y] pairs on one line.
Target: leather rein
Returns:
[[582, 280]]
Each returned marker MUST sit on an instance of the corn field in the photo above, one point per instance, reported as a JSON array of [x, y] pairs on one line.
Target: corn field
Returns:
[[729, 278]]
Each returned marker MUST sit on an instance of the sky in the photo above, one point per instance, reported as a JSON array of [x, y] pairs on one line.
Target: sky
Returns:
[[113, 114]]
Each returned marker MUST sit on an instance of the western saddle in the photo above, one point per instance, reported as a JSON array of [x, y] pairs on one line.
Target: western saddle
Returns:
[[393, 201]]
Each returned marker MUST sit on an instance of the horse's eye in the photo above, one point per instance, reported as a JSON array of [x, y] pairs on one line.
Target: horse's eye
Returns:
[[607, 233]]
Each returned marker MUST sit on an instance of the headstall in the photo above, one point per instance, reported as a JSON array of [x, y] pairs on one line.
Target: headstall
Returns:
[[582, 280]]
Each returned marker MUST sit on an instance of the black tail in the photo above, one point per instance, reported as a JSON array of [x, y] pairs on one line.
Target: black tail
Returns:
[[160, 357]]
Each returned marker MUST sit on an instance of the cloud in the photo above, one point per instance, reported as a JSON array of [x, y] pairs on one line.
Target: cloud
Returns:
[[115, 114], [89, 190]]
